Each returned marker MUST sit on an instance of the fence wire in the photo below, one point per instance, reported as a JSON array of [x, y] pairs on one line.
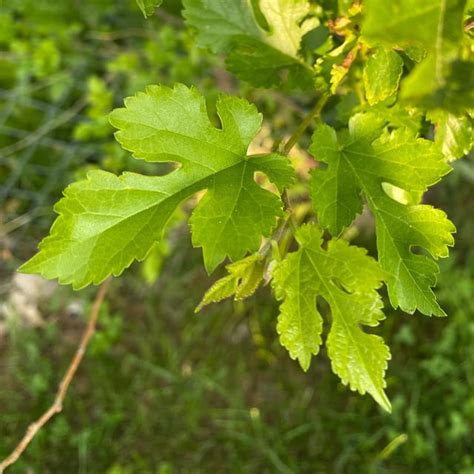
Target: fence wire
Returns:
[[37, 159]]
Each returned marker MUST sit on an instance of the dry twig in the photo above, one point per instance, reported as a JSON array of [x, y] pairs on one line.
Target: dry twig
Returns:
[[57, 405]]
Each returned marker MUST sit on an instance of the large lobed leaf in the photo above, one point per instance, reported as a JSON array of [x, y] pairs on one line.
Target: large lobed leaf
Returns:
[[257, 55], [391, 170], [106, 222], [347, 279]]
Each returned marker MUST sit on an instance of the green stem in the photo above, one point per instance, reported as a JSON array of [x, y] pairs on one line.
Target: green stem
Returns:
[[289, 220], [286, 148]]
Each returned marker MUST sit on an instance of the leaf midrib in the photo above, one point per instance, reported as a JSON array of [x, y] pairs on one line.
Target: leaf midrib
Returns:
[[198, 185], [207, 144]]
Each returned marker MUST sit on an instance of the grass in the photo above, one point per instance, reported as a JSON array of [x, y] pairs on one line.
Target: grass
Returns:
[[165, 390]]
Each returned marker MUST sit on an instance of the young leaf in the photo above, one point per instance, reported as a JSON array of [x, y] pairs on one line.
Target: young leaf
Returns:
[[242, 281], [434, 25], [148, 6], [255, 55], [365, 159], [106, 222], [382, 74], [347, 279]]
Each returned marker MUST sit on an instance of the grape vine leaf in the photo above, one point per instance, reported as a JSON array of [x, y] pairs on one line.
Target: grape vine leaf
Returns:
[[397, 116], [382, 73], [243, 279], [454, 134], [106, 222], [347, 279], [148, 6], [434, 25], [365, 159], [257, 55]]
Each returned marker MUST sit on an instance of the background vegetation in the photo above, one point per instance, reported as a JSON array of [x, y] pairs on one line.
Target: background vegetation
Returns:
[[163, 390]]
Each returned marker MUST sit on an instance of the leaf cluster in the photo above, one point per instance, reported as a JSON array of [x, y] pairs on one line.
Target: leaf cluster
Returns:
[[388, 70]]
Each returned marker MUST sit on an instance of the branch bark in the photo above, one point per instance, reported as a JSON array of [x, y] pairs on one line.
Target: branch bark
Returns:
[[57, 405]]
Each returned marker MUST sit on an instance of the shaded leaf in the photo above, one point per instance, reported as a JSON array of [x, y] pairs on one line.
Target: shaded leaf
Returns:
[[263, 57], [433, 25]]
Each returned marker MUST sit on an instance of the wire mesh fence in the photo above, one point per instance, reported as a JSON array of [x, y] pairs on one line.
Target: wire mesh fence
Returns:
[[37, 159]]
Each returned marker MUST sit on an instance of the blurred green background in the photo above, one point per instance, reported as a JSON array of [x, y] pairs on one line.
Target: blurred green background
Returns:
[[163, 390]]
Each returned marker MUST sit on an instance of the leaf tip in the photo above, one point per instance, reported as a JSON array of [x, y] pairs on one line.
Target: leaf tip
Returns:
[[26, 267], [305, 362], [382, 399], [30, 266]]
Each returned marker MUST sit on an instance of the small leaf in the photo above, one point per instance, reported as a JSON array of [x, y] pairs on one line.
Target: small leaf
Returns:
[[454, 134], [382, 74], [243, 280], [220, 290], [347, 279]]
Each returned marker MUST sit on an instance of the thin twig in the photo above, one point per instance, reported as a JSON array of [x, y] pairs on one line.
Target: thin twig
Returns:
[[286, 148], [288, 221], [57, 405]]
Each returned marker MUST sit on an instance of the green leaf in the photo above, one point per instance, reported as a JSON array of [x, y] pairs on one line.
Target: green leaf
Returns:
[[263, 66], [106, 222], [397, 116], [423, 22], [338, 73], [347, 279], [286, 27], [242, 281], [382, 74], [153, 263], [434, 25], [148, 6], [278, 170], [263, 57], [218, 22], [334, 66], [452, 89], [454, 134], [390, 169], [151, 266]]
